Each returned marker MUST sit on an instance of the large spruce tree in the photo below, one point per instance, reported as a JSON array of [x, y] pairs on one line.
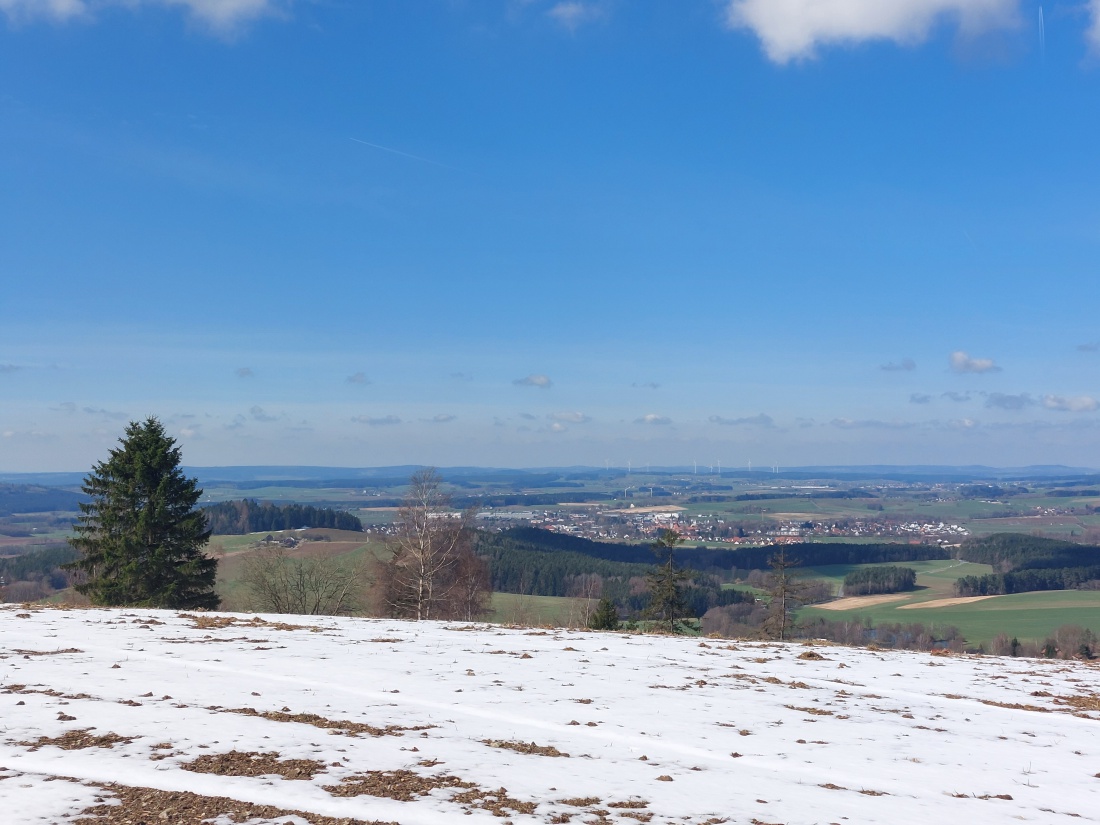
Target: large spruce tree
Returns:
[[140, 536], [666, 582]]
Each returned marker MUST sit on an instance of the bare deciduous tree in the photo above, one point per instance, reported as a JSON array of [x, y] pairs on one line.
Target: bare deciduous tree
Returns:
[[280, 583], [433, 572], [786, 594]]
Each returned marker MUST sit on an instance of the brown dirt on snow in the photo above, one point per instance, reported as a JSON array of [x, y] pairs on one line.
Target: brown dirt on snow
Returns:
[[524, 747], [219, 622], [254, 763], [402, 785], [405, 786], [342, 727], [75, 740], [146, 805]]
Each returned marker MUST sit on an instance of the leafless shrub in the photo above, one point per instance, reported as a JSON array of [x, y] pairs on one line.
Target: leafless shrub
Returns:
[[280, 583]]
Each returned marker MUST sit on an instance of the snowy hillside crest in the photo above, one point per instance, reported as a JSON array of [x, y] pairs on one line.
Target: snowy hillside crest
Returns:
[[121, 715]]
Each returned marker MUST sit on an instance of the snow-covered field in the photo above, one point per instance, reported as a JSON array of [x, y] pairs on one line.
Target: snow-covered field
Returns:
[[185, 718]]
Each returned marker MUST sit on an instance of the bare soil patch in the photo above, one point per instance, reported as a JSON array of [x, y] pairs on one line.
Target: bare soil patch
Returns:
[[254, 763], [944, 602], [402, 785], [146, 805], [857, 602]]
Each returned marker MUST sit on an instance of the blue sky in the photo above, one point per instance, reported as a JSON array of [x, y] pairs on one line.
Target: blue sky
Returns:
[[536, 232]]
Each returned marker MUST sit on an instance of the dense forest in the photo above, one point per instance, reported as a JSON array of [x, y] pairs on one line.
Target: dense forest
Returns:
[[36, 573], [869, 581], [746, 558], [29, 498], [234, 518], [1028, 563], [537, 562]]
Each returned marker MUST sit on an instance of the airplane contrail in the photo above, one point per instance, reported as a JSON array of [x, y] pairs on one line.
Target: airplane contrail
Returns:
[[1042, 34], [403, 154]]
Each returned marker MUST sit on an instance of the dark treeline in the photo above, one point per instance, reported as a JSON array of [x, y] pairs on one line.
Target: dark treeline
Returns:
[[539, 568], [36, 573], [1027, 563], [745, 621], [1027, 581], [230, 518], [39, 561], [1012, 551], [518, 566], [27, 498], [745, 558], [869, 581]]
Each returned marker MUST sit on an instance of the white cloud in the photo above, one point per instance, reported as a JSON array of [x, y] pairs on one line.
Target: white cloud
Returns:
[[569, 417], [871, 424], [1082, 403], [220, 15], [60, 10], [534, 380], [794, 29], [961, 362], [573, 13], [654, 419], [558, 427], [377, 422], [113, 415], [1093, 33], [259, 415], [442, 418], [761, 420], [904, 365], [1004, 401]]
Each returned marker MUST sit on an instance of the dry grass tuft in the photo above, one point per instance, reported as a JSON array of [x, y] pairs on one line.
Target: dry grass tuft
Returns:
[[75, 740], [811, 711], [1089, 702], [341, 727], [523, 747], [220, 622]]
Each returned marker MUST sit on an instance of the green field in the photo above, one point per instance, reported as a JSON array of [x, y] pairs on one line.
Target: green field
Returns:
[[1027, 616], [558, 611]]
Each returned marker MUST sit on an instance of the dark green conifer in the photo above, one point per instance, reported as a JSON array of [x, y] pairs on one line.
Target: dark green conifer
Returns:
[[606, 616], [140, 536], [666, 599]]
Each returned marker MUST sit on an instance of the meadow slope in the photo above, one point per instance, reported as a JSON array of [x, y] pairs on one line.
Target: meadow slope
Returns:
[[113, 716]]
